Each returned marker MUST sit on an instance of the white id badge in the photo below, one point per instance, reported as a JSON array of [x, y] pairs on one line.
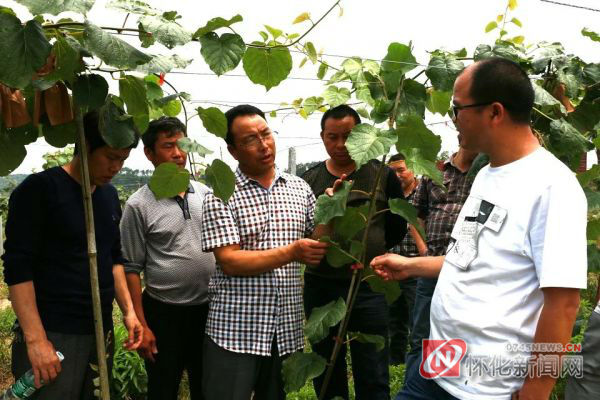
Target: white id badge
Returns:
[[461, 254]]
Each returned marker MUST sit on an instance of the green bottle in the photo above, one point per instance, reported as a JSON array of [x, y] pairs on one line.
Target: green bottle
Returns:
[[24, 387]]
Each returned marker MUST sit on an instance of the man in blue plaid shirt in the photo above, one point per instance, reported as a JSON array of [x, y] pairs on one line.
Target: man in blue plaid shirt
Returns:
[[259, 239]]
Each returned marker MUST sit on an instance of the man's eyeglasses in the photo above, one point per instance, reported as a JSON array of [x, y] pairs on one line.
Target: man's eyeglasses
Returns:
[[455, 109], [255, 140]]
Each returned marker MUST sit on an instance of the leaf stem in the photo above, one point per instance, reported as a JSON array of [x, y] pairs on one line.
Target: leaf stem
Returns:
[[541, 113], [360, 192]]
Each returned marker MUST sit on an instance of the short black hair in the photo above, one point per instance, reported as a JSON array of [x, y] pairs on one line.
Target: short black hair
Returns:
[[93, 137], [340, 112], [240, 111], [498, 79], [397, 157], [170, 125]]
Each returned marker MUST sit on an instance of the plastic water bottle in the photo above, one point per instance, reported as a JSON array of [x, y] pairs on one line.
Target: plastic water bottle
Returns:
[[24, 387]]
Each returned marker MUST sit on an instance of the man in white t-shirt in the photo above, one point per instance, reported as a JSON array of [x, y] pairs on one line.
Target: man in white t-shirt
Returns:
[[511, 275]]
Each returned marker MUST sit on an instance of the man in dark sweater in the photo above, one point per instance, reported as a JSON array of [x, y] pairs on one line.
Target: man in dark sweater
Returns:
[[324, 283], [46, 268]]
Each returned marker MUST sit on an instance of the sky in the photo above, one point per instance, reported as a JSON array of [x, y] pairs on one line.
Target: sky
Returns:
[[365, 29]]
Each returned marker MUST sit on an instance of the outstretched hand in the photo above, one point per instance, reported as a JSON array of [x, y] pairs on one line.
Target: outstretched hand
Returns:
[[391, 267]]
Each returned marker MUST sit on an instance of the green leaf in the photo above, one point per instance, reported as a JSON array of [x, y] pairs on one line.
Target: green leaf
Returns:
[[214, 121], [420, 166], [221, 179], [377, 340], [398, 58], [367, 142], [335, 96], [311, 51], [301, 18], [300, 367], [60, 135], [567, 143], [165, 31], [191, 146], [491, 26], [172, 108], [352, 222], [512, 4], [312, 104], [442, 71], [24, 49], [133, 6], [224, 53], [591, 74], [413, 134], [322, 318], [217, 23], [588, 176], [547, 52], [67, 60], [90, 91], [117, 129], [590, 34], [328, 207], [571, 82], [593, 199], [413, 99], [274, 31], [322, 70], [168, 180], [12, 154], [438, 101], [264, 35], [518, 39], [267, 67], [585, 117], [163, 64], [363, 112], [338, 257], [407, 211], [133, 92], [516, 22], [546, 101], [593, 230], [112, 50], [390, 289], [55, 7], [24, 135]]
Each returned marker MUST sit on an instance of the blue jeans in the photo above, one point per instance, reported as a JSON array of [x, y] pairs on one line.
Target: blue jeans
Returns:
[[418, 388], [421, 323], [369, 315]]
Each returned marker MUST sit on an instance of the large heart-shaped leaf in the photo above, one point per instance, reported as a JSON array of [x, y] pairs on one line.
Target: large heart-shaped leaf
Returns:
[[352, 222], [335, 96], [112, 50], [90, 91], [163, 64], [165, 31], [133, 7], [300, 367], [390, 289], [407, 211], [214, 121], [546, 102], [567, 143], [367, 142], [191, 146], [338, 257], [60, 135], [215, 24], [438, 101], [328, 207], [413, 134], [377, 340], [421, 166], [267, 67], [168, 180], [588, 176], [398, 58], [23, 49], [55, 7], [12, 154], [221, 179], [67, 60], [133, 92], [222, 53], [322, 318], [117, 129], [412, 99], [443, 70]]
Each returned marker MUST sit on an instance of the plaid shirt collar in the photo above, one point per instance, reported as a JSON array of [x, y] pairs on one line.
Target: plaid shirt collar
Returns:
[[241, 179]]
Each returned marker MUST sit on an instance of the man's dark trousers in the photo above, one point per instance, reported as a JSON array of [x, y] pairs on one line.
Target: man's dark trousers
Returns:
[[421, 326], [179, 332], [369, 315], [401, 321]]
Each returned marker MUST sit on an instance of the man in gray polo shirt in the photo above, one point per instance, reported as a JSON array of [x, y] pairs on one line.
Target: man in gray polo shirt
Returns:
[[161, 239]]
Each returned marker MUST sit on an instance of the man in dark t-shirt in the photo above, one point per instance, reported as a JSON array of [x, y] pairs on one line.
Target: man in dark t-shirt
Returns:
[[324, 283], [47, 270]]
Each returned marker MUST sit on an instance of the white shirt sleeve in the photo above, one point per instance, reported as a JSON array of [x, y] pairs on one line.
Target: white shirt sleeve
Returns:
[[557, 235]]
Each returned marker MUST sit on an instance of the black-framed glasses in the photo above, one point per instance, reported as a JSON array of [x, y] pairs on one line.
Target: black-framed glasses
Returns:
[[455, 109]]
